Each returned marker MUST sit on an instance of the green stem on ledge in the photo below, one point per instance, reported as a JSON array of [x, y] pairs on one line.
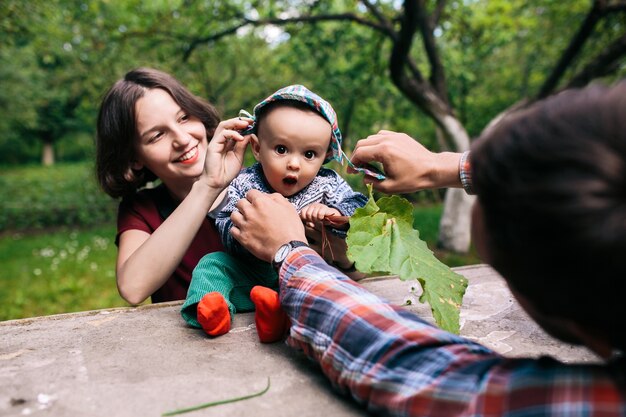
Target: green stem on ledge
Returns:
[[211, 404]]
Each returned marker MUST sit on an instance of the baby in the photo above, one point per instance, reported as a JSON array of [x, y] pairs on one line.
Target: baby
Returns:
[[294, 133]]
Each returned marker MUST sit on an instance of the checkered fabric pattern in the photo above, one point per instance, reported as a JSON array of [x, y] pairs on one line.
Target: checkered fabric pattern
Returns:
[[396, 364]]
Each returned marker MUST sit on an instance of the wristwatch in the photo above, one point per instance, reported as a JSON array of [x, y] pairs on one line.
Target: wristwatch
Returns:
[[283, 251]]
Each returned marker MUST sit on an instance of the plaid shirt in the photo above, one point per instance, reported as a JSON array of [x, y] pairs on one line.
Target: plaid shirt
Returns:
[[396, 364]]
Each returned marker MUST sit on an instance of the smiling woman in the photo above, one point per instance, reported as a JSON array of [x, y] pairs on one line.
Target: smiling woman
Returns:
[[150, 126], [172, 143]]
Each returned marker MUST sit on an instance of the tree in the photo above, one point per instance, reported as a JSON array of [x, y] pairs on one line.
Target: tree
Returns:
[[419, 72]]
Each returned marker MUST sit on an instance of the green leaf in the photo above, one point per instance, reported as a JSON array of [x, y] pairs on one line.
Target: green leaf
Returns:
[[381, 239]]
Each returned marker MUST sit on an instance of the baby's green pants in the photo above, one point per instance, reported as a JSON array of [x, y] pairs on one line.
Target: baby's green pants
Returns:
[[231, 276]]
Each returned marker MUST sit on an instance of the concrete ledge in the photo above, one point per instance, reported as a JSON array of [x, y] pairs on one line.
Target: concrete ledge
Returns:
[[145, 361]]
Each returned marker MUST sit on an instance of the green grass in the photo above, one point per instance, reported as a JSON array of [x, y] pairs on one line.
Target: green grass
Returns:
[[63, 271], [71, 270], [56, 241]]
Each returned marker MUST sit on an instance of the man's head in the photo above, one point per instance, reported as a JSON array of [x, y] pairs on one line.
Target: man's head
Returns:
[[551, 186]]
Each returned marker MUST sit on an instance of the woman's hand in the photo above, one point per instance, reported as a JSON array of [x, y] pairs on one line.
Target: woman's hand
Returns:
[[225, 152], [408, 165], [264, 222]]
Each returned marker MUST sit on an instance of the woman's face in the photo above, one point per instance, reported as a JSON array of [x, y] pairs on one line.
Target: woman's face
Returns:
[[170, 143]]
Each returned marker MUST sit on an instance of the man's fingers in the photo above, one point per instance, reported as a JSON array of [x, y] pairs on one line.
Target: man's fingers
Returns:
[[253, 196], [242, 205], [235, 232], [368, 153], [237, 218]]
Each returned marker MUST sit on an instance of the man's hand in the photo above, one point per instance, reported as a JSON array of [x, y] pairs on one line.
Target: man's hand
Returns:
[[264, 222], [408, 165]]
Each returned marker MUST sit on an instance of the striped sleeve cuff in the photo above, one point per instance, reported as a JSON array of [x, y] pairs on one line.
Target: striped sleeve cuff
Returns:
[[465, 173]]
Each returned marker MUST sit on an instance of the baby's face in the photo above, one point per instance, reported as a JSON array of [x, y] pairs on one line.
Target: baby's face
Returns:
[[292, 145]]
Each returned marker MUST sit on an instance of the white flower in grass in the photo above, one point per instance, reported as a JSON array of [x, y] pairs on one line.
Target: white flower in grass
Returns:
[[100, 242], [93, 266], [83, 253], [37, 271], [46, 253]]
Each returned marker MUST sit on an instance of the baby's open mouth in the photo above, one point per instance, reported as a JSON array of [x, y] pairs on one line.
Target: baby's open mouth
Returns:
[[290, 180]]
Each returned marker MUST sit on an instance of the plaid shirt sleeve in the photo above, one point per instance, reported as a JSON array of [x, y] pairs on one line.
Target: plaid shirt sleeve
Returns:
[[396, 364]]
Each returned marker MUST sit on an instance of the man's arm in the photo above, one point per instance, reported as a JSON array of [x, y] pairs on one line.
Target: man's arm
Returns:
[[390, 360]]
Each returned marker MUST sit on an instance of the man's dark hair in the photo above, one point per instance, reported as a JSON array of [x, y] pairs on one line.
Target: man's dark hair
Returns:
[[551, 181]]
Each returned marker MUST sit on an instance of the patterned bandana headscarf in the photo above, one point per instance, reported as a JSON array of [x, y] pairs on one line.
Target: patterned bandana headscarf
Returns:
[[301, 93]]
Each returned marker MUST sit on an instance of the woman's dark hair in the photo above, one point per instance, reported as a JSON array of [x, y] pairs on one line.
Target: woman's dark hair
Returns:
[[551, 181], [117, 127]]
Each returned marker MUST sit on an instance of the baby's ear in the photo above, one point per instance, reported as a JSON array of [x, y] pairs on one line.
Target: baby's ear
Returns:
[[256, 146]]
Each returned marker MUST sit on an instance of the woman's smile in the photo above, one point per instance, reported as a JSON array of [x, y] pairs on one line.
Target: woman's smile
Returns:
[[190, 156]]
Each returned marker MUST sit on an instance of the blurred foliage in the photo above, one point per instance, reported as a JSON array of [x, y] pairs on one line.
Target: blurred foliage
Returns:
[[72, 269], [35, 197], [58, 57]]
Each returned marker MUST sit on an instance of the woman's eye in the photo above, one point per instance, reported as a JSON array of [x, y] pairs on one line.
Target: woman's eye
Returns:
[[309, 154], [280, 149], [155, 137], [184, 117]]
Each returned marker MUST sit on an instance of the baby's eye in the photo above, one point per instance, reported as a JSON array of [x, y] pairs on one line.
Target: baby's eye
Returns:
[[281, 149], [309, 154]]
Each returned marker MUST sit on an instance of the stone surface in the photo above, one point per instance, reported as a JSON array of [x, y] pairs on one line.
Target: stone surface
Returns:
[[145, 361]]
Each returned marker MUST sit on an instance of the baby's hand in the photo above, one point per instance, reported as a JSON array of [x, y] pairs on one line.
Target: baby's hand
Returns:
[[317, 212]]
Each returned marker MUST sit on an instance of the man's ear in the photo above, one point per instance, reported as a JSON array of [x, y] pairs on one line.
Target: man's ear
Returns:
[[256, 146]]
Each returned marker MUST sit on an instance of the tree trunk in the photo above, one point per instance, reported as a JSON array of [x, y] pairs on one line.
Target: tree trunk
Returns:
[[47, 156], [455, 225]]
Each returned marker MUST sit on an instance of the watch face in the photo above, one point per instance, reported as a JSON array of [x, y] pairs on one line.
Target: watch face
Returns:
[[282, 253]]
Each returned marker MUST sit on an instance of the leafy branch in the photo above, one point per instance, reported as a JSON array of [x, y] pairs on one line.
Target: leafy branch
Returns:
[[382, 239]]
